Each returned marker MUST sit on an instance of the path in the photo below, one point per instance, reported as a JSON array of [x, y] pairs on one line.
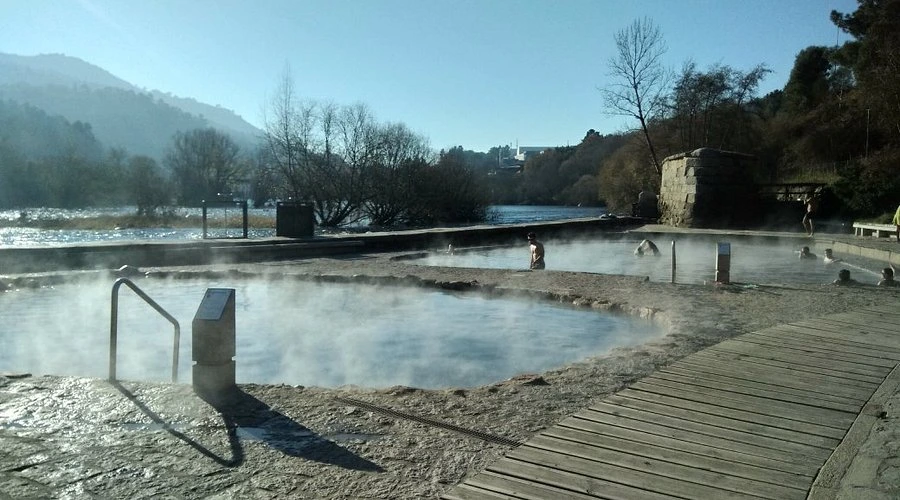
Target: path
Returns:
[[765, 415]]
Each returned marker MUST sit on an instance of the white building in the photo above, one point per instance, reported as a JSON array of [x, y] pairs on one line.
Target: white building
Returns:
[[523, 153]]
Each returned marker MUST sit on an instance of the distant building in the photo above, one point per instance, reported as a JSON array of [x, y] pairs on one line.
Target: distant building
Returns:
[[523, 153]]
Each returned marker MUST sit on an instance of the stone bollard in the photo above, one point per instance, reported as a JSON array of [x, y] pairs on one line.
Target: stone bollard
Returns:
[[213, 350], [723, 263]]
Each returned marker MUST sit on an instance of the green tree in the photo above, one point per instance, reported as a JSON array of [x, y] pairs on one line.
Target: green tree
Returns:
[[875, 58]]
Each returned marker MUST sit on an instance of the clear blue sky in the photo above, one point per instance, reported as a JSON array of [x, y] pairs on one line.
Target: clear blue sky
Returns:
[[476, 73]]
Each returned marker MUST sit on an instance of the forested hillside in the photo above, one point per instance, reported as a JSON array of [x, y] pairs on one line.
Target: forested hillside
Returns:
[[120, 114]]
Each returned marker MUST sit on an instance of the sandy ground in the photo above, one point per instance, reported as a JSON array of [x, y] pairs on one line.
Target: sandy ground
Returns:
[[70, 437]]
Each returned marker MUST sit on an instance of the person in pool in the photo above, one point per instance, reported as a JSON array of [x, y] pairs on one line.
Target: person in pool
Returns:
[[830, 258], [887, 277], [844, 279], [646, 247], [804, 253], [537, 252]]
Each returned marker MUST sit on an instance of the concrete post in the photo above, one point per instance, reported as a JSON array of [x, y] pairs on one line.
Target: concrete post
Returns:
[[723, 262], [213, 345]]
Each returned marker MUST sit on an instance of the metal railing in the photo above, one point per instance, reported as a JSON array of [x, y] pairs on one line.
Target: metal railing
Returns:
[[114, 326]]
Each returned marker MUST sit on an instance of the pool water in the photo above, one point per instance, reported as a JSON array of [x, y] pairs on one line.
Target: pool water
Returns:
[[754, 261], [310, 334]]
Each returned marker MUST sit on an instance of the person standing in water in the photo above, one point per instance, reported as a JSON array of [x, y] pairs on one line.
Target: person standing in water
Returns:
[[537, 252], [896, 222], [812, 204]]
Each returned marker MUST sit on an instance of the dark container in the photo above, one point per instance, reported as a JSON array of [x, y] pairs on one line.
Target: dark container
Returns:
[[294, 219]]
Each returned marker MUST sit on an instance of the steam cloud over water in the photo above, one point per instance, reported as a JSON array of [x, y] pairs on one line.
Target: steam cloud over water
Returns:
[[752, 261], [309, 334]]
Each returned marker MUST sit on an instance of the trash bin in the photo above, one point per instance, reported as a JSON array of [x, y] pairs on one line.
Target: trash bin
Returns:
[[294, 219]]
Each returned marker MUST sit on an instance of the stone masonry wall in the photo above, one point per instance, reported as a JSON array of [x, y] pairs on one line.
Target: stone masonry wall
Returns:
[[708, 188]]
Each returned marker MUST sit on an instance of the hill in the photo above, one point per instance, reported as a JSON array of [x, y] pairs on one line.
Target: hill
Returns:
[[120, 114]]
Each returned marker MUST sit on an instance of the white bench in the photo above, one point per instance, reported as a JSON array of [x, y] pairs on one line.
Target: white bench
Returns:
[[876, 230]]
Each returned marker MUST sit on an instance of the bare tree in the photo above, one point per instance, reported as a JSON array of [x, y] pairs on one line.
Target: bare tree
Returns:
[[642, 81], [204, 162], [289, 125]]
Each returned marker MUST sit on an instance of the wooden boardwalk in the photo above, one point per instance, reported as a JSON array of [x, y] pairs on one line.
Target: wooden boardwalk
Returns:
[[753, 417]]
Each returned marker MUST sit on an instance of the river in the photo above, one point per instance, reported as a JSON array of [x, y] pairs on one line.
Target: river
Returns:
[[15, 236]]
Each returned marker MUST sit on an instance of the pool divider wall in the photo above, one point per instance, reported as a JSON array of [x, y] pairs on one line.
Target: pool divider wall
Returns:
[[213, 345]]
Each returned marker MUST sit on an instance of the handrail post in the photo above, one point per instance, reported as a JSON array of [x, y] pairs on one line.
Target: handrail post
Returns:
[[244, 211], [114, 326], [204, 219], [114, 330]]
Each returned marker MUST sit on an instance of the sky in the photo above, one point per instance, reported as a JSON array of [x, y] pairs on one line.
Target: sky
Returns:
[[471, 73]]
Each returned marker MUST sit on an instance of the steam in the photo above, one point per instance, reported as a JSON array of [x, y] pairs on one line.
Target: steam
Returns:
[[752, 260], [309, 334]]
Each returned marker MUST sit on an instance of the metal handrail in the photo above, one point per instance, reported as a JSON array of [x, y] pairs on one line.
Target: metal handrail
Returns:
[[114, 326]]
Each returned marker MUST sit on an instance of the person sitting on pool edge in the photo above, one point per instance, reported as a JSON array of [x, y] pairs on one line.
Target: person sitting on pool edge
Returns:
[[829, 258], [804, 253], [646, 247], [844, 279], [537, 252], [887, 277]]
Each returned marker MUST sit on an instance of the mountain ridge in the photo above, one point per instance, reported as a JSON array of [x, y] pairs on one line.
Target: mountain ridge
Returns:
[[121, 114]]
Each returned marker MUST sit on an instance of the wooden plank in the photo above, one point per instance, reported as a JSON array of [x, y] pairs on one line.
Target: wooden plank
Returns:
[[872, 330], [869, 328], [871, 320], [534, 481], [799, 359], [787, 387], [853, 324], [703, 470], [751, 404], [775, 374], [758, 390], [561, 439], [854, 331], [737, 414], [464, 491], [645, 477], [788, 437], [752, 417], [663, 430], [868, 357], [512, 487], [837, 334], [809, 336], [797, 369]]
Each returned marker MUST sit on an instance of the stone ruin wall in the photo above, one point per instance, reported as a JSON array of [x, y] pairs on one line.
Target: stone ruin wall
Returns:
[[708, 188]]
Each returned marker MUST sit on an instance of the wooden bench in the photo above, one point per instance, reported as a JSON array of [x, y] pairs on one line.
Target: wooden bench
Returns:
[[876, 230]]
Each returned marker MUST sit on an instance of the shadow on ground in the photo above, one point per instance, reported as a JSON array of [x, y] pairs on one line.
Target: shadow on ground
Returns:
[[247, 418]]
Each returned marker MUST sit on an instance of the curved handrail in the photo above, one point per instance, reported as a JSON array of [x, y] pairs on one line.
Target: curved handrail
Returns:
[[114, 326]]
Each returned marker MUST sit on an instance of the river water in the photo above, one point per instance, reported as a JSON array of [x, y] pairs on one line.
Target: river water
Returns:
[[31, 237]]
